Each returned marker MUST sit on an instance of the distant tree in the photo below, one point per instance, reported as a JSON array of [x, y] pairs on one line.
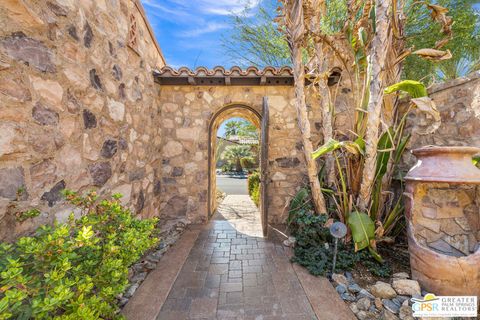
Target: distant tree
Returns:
[[256, 38], [232, 128], [241, 128], [234, 155], [465, 45]]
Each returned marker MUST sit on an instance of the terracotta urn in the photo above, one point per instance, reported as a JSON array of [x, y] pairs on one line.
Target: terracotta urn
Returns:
[[442, 206]]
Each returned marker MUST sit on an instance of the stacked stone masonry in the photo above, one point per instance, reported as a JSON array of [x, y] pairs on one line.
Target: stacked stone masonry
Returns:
[[447, 218], [78, 108]]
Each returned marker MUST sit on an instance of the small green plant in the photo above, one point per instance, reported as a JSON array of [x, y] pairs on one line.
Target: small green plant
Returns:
[[32, 213], [254, 187], [314, 243], [74, 270]]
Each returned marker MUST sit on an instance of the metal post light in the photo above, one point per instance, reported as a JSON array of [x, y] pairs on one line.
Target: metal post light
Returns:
[[338, 230]]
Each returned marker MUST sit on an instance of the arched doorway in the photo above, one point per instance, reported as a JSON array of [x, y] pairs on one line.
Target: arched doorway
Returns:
[[257, 119]]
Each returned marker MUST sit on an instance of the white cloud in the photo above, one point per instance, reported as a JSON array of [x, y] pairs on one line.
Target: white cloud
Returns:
[[207, 28], [225, 7]]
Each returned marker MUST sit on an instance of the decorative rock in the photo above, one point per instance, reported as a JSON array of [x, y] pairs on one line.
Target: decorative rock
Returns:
[[42, 173], [406, 312], [129, 293], [363, 304], [45, 116], [89, 119], [340, 279], [390, 306], [286, 162], [365, 293], [117, 72], [378, 303], [54, 195], [172, 148], [349, 277], [362, 315], [14, 90], [401, 275], [136, 174], [87, 36], [406, 287], [12, 180], [383, 290], [347, 297], [109, 148], [387, 315], [18, 46], [341, 289], [140, 202], [354, 288], [290, 242], [72, 31], [177, 171], [354, 308], [100, 173], [50, 91], [95, 80], [116, 110]]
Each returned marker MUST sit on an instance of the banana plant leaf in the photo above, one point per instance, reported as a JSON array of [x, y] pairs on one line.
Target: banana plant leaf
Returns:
[[414, 88], [384, 151], [363, 232], [355, 147], [401, 148]]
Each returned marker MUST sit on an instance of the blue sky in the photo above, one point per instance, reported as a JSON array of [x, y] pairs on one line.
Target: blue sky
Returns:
[[190, 31]]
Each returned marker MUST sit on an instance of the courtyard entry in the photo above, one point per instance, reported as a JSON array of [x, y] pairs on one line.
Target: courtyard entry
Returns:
[[236, 151]]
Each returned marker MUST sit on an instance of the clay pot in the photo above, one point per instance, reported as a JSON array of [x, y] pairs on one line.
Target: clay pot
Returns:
[[445, 164], [439, 273]]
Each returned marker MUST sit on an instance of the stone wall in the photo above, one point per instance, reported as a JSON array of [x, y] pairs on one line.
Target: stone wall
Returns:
[[446, 217], [78, 107], [458, 102], [188, 111]]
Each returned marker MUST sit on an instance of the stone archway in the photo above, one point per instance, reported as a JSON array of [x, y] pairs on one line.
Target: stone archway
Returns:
[[229, 111]]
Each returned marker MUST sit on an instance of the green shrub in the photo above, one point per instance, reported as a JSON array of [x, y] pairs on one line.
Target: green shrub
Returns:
[[254, 187], [314, 243], [74, 270]]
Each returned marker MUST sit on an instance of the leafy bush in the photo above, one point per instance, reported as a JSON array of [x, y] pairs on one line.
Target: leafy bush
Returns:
[[314, 243], [74, 270], [254, 187]]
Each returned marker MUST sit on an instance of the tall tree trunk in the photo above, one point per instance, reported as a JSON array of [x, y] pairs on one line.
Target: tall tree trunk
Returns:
[[379, 48], [295, 29], [326, 104], [304, 125]]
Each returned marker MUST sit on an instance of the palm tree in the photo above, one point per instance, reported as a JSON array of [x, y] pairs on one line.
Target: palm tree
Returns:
[[235, 154], [232, 128]]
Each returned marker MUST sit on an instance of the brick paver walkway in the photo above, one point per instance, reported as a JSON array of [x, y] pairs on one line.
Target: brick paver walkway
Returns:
[[232, 272]]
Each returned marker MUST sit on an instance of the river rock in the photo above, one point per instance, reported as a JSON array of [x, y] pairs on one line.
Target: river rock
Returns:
[[363, 304], [390, 306], [383, 290], [340, 279], [406, 287]]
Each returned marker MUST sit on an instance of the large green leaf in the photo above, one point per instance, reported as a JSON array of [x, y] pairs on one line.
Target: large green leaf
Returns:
[[329, 146], [414, 88], [363, 229], [401, 148], [355, 147]]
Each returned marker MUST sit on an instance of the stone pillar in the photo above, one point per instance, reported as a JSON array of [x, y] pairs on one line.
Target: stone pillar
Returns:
[[442, 208]]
